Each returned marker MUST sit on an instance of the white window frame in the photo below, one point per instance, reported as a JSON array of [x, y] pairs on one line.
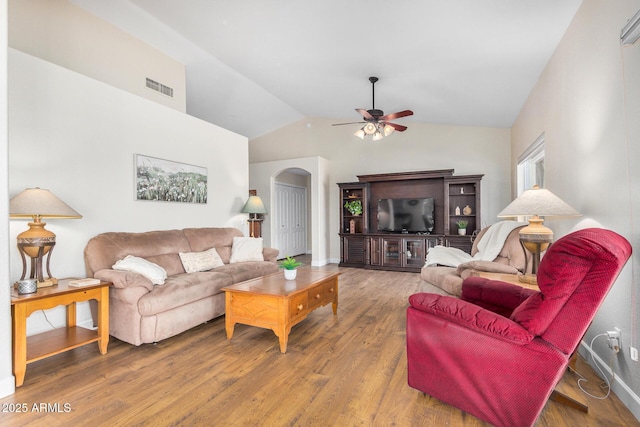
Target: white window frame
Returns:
[[531, 166]]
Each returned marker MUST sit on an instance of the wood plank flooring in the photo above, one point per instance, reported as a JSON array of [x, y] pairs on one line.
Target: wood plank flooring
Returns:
[[344, 370]]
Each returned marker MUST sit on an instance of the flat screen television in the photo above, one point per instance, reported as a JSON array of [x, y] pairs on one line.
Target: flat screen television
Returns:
[[406, 215]]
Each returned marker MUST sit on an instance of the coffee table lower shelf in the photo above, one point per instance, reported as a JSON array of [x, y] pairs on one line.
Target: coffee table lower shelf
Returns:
[[271, 302]]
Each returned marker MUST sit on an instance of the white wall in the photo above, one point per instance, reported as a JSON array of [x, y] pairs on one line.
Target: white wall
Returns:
[[467, 149], [589, 114], [77, 137], [7, 381], [263, 177], [67, 35]]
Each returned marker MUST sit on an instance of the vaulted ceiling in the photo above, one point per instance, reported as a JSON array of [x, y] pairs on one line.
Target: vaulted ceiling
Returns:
[[256, 65]]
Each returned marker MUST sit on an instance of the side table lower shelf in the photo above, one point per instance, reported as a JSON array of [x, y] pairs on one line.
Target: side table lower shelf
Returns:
[[59, 340], [40, 346]]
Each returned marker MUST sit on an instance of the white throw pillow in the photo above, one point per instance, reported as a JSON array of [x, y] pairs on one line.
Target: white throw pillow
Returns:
[[200, 261], [246, 249], [135, 264]]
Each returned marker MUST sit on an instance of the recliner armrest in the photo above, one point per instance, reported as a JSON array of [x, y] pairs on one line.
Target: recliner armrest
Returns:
[[471, 316], [495, 295]]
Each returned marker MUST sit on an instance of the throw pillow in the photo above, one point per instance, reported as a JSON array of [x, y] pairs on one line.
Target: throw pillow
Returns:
[[135, 264], [200, 261], [246, 249]]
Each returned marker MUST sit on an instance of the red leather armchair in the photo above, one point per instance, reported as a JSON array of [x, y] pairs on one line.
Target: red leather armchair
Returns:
[[499, 351]]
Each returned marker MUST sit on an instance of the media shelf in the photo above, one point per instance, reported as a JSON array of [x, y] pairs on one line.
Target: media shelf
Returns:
[[363, 246]]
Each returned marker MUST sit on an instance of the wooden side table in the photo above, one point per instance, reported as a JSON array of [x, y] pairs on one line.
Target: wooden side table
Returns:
[[40, 346]]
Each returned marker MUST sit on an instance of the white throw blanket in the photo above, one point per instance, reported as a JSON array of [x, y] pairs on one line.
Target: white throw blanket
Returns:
[[489, 247]]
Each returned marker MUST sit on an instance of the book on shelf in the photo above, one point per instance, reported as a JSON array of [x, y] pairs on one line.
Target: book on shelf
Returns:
[[76, 283]]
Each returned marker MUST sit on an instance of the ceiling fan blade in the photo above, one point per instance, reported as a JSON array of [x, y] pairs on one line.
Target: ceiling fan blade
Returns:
[[350, 123], [397, 127], [364, 113], [397, 115]]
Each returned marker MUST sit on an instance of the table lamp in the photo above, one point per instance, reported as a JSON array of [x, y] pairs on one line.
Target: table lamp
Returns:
[[535, 237], [36, 242], [253, 207]]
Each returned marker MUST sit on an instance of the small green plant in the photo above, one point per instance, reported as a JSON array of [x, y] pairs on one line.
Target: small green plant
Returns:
[[354, 207], [462, 224], [290, 263]]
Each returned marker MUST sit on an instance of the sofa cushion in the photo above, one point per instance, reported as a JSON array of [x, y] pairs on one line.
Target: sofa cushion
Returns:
[[200, 261], [201, 239], [182, 289], [151, 271], [248, 270], [103, 250], [170, 262], [246, 249]]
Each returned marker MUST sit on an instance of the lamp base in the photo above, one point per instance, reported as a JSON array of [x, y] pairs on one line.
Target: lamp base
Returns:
[[535, 238]]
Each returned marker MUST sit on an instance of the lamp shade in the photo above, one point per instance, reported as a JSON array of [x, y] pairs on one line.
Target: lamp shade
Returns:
[[540, 202], [254, 206], [40, 203]]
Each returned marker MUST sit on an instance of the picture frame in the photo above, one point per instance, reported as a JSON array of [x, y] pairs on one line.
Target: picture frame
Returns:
[[169, 181]]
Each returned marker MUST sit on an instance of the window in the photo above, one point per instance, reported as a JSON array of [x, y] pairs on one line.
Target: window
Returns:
[[531, 166]]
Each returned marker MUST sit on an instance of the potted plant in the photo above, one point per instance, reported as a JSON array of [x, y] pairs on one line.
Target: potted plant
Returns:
[[354, 207], [462, 227], [290, 264]]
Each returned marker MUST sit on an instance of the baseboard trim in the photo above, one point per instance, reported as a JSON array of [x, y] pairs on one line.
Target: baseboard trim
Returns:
[[626, 395], [7, 386]]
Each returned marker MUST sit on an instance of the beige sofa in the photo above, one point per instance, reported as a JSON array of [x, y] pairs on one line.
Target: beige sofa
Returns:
[[143, 312], [448, 280]]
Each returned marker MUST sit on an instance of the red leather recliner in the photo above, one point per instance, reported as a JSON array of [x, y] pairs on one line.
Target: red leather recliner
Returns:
[[499, 351]]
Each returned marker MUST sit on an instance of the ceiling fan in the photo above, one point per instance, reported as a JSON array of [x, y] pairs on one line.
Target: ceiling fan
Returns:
[[375, 122]]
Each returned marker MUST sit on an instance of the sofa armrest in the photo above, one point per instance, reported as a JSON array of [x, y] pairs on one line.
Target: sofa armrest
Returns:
[[471, 316], [495, 295], [123, 279], [270, 254]]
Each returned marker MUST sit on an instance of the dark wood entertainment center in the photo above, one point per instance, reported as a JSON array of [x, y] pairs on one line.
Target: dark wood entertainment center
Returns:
[[362, 245]]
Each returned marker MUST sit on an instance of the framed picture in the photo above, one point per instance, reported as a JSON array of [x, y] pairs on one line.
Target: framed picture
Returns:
[[169, 181]]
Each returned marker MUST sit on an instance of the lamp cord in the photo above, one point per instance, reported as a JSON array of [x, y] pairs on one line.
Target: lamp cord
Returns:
[[47, 319]]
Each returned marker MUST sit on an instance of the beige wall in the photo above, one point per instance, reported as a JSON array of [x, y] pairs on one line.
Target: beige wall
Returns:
[[467, 149], [77, 137], [65, 34], [589, 114]]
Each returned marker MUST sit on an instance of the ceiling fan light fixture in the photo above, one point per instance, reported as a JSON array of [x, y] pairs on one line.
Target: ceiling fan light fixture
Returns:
[[369, 128], [388, 130], [359, 133], [377, 136]]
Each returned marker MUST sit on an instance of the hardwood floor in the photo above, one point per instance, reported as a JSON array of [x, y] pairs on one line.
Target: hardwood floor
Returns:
[[344, 370]]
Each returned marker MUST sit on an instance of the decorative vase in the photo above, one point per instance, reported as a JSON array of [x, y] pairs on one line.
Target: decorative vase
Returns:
[[466, 210], [352, 226], [462, 231], [290, 274]]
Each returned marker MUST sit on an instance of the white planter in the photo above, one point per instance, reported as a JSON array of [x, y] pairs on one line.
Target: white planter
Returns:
[[462, 231], [290, 274]]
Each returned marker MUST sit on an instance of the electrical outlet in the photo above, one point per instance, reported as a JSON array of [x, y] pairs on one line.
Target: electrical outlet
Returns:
[[634, 353], [614, 339]]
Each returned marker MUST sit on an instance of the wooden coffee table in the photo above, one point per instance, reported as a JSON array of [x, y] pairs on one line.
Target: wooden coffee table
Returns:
[[274, 303]]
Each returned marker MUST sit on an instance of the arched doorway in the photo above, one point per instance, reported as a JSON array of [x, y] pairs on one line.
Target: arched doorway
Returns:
[[290, 212], [262, 179]]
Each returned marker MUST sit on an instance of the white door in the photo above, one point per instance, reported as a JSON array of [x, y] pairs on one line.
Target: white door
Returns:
[[290, 213]]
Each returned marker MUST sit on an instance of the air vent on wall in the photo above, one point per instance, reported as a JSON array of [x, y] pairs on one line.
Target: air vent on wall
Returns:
[[159, 87]]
